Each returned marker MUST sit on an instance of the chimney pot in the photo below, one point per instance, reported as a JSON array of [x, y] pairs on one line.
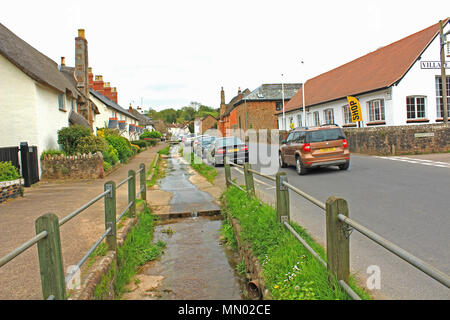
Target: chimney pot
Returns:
[[63, 61], [90, 70], [81, 33]]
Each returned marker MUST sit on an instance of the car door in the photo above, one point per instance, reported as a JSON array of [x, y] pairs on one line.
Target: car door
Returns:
[[297, 144], [287, 150]]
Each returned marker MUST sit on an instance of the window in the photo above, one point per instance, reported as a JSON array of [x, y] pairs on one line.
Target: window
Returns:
[[347, 114], [415, 107], [72, 104], [317, 119], [376, 110], [329, 116], [299, 119], [300, 138], [439, 101], [290, 137], [61, 101], [279, 105]]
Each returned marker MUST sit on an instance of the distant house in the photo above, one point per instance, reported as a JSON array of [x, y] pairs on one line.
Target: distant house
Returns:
[[208, 122], [144, 121], [36, 97], [113, 116], [398, 84]]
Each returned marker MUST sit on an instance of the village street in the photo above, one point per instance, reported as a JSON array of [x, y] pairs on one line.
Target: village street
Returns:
[[404, 199], [20, 279]]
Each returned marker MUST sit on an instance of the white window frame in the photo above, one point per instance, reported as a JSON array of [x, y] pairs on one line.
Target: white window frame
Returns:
[[316, 116], [439, 95], [326, 115], [61, 102], [373, 114], [416, 116], [300, 120]]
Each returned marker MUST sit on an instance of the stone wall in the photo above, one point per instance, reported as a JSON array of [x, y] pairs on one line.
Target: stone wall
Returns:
[[10, 189], [87, 166], [397, 140]]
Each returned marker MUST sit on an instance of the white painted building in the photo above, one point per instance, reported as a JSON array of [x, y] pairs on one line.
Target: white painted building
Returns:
[[108, 110], [399, 84], [36, 99]]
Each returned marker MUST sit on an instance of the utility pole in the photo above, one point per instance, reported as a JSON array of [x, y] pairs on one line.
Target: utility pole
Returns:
[[282, 97], [443, 75]]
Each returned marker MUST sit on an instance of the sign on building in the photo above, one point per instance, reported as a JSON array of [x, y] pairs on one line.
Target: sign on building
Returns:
[[355, 109], [433, 65]]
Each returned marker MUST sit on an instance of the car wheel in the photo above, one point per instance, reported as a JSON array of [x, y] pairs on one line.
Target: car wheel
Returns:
[[345, 166], [300, 168], [282, 163]]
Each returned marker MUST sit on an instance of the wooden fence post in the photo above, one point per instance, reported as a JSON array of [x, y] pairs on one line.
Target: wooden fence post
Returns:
[[283, 210], [132, 193], [110, 215], [338, 243], [50, 258], [143, 184], [227, 172], [249, 183]]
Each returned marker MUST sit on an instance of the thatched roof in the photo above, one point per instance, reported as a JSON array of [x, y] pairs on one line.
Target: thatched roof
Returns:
[[33, 63]]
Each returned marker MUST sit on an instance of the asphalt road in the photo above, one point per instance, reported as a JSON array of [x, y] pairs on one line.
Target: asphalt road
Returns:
[[406, 202]]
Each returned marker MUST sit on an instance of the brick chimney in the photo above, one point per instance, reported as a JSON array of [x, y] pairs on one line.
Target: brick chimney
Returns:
[[91, 78], [81, 62], [98, 84], [114, 94], [239, 93], [222, 102], [107, 90], [130, 109]]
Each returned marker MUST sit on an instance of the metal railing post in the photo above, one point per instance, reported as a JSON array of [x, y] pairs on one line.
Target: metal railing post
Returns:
[[338, 242], [227, 172], [132, 193], [143, 184], [283, 210], [110, 214], [50, 258], [249, 183]]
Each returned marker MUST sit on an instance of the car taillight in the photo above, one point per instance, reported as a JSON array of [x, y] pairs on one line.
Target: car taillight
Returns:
[[307, 147], [244, 148], [220, 151], [345, 143]]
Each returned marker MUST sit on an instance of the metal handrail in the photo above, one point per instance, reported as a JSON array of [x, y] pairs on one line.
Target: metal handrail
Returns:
[[308, 197], [124, 211], [28, 244], [236, 185], [403, 254], [349, 290], [86, 256], [140, 192], [235, 165], [262, 175], [82, 208], [123, 182]]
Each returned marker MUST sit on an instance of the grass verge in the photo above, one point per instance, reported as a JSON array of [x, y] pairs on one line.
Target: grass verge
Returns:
[[289, 270], [198, 165], [136, 250]]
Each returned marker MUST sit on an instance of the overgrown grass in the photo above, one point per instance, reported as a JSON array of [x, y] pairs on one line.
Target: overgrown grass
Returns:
[[158, 173], [289, 270], [136, 250], [202, 168], [165, 151]]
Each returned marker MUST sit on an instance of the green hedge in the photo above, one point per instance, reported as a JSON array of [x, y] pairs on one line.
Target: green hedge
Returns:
[[8, 172], [70, 137], [122, 145]]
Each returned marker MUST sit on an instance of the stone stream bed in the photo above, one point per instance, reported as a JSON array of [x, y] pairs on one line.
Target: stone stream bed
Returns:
[[195, 265]]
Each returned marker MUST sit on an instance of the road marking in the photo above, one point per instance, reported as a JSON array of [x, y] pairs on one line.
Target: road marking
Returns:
[[425, 162]]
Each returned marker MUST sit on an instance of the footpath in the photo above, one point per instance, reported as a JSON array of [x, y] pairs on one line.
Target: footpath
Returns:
[[20, 279]]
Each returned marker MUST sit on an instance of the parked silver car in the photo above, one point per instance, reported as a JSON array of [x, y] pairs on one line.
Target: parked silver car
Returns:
[[231, 147]]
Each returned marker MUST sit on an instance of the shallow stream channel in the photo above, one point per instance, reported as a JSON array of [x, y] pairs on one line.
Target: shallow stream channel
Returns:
[[195, 264]]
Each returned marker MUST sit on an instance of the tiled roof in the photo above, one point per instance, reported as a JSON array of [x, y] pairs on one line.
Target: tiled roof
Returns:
[[32, 62], [272, 92], [111, 103], [230, 106], [377, 70]]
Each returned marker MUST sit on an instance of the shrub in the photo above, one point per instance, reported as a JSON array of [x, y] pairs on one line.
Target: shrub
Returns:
[[150, 141], [8, 172], [111, 155], [140, 143], [122, 145], [69, 137], [51, 152], [107, 166], [91, 144], [151, 134]]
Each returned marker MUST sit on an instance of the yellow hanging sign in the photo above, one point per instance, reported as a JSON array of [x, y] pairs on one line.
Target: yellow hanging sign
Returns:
[[355, 109]]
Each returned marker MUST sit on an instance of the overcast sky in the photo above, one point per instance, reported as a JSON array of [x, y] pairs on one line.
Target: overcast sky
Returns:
[[170, 53]]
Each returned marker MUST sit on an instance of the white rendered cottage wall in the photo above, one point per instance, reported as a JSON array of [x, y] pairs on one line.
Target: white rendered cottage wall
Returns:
[[17, 106]]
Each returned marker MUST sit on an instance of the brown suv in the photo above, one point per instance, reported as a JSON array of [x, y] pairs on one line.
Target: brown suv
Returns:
[[307, 148]]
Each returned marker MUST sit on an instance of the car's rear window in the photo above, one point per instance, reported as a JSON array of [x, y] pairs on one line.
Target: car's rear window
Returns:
[[325, 135]]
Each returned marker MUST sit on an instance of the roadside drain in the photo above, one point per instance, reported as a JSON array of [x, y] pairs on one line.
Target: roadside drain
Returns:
[[194, 265]]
